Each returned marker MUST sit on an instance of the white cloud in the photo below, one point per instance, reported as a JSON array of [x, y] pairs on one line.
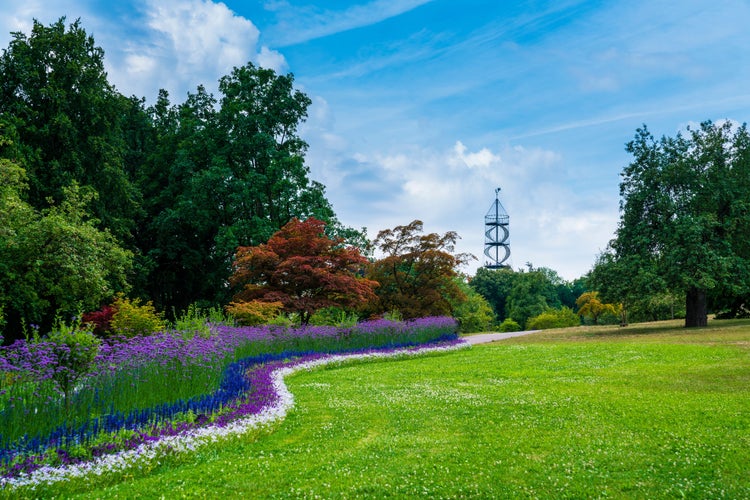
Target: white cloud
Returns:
[[187, 44], [272, 59], [303, 24], [452, 189]]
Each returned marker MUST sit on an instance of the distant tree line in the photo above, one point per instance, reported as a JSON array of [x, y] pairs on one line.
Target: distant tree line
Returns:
[[209, 203]]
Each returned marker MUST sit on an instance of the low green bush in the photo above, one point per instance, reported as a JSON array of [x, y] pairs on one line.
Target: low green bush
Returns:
[[75, 346], [509, 325], [554, 318], [474, 314], [334, 316]]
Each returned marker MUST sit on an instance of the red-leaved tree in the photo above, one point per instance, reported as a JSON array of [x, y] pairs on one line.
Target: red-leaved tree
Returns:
[[303, 269]]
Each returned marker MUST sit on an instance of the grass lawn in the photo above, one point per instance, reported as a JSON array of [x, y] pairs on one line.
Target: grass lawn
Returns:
[[648, 411]]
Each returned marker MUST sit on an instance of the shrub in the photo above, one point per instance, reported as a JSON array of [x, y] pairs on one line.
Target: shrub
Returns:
[[254, 312], [131, 318], [554, 318], [75, 347], [474, 314], [101, 320], [197, 321], [289, 320], [509, 325], [393, 315], [334, 316]]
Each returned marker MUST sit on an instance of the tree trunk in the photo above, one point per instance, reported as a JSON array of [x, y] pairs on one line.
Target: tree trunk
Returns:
[[696, 313]]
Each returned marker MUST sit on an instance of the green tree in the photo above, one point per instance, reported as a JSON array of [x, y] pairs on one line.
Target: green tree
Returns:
[[55, 261], [529, 296], [75, 347], [473, 312], [417, 274], [494, 285], [54, 89], [224, 174], [685, 214]]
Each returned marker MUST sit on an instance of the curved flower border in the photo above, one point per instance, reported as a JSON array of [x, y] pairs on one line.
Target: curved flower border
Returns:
[[151, 451]]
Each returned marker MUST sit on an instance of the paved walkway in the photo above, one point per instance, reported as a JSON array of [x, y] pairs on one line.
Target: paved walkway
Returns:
[[486, 338]]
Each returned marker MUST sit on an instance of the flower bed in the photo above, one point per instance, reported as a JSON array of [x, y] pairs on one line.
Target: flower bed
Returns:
[[149, 392]]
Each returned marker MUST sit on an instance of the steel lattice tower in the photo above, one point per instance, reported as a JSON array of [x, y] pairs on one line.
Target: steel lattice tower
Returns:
[[496, 234]]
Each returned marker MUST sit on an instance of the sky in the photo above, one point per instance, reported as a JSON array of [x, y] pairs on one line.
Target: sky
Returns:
[[422, 108]]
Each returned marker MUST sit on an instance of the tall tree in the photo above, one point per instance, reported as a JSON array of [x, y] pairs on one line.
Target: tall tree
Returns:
[[54, 89], [417, 274], [685, 216], [494, 285], [531, 294], [303, 269], [223, 178]]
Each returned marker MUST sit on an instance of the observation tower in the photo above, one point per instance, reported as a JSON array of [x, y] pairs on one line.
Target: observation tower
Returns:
[[496, 234]]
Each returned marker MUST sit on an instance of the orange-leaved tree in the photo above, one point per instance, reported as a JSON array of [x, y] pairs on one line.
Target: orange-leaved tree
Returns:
[[417, 274], [303, 269]]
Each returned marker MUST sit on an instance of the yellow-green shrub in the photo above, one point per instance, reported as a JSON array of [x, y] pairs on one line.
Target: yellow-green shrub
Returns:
[[131, 318], [554, 318], [509, 325]]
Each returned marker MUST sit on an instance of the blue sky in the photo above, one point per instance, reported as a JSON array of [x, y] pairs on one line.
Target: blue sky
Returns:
[[422, 108]]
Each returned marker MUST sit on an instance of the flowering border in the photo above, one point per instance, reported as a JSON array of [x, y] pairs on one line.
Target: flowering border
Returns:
[[189, 441]]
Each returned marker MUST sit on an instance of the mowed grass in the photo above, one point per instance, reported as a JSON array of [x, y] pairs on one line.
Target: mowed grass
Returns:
[[648, 411]]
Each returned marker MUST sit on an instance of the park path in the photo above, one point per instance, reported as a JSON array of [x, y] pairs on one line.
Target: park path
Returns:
[[486, 338]]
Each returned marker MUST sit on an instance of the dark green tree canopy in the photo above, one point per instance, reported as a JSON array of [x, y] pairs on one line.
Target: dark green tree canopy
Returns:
[[222, 174], [54, 90], [685, 217]]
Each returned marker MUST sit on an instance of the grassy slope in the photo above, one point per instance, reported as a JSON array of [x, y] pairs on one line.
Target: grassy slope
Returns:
[[647, 411]]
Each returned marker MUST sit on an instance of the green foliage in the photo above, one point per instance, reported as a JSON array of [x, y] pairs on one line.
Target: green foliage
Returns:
[[131, 318], [494, 285], [75, 348], [224, 173], [473, 313], [393, 315], [55, 260], [288, 320], [68, 121], [334, 316], [684, 220], [554, 318], [529, 296], [508, 325], [527, 293], [197, 321]]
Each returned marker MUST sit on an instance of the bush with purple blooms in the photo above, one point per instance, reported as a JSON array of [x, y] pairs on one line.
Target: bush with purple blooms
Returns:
[[161, 384]]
